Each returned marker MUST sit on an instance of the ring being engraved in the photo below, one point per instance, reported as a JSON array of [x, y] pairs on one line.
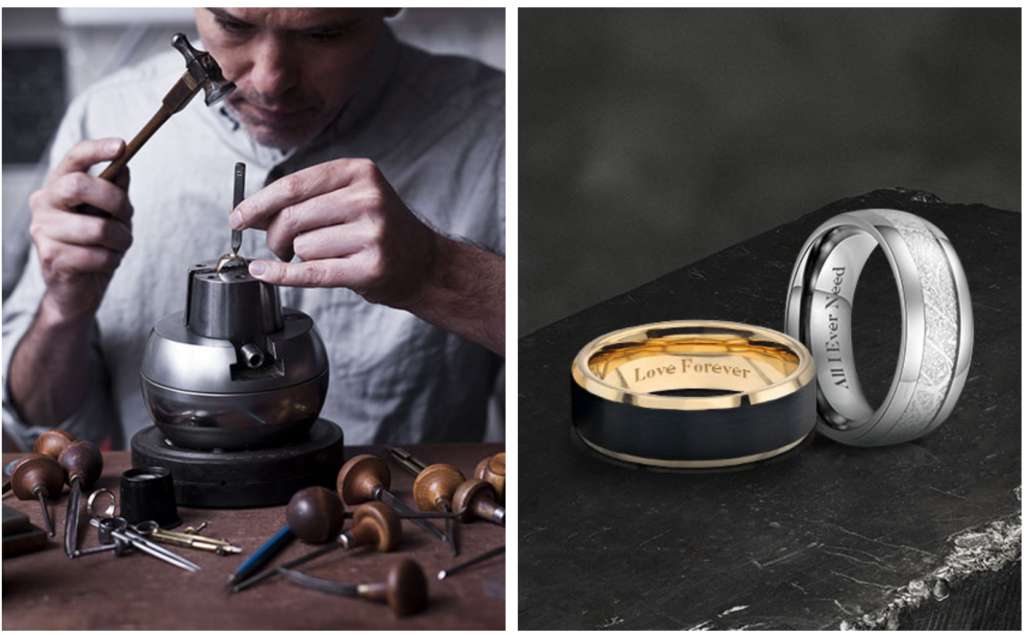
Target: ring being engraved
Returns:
[[693, 394], [937, 324], [227, 259]]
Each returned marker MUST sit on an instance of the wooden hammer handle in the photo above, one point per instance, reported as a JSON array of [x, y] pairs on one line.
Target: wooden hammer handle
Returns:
[[112, 170], [157, 120]]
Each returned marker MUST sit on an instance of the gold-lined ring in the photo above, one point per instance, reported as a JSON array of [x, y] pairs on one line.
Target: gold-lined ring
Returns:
[[693, 393]]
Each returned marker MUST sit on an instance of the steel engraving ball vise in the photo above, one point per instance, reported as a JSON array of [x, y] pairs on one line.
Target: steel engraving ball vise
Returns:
[[234, 370]]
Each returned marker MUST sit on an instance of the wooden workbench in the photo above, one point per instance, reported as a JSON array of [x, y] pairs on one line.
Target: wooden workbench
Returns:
[[45, 590]]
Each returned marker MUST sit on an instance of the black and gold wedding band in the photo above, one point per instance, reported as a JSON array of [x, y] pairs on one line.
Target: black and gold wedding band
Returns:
[[693, 394]]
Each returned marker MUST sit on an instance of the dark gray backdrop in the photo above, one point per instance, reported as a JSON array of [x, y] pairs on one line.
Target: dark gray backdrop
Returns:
[[652, 138]]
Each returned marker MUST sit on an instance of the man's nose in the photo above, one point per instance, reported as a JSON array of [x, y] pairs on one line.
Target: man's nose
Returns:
[[274, 69]]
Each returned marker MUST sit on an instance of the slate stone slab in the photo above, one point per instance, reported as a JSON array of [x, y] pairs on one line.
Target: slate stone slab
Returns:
[[920, 535]]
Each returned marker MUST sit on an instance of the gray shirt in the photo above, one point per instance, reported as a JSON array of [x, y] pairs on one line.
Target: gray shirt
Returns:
[[436, 128]]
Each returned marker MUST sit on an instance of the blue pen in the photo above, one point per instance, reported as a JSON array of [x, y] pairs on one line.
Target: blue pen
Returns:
[[262, 556]]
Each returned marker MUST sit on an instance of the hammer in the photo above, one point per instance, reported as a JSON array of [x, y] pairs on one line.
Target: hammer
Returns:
[[201, 71]]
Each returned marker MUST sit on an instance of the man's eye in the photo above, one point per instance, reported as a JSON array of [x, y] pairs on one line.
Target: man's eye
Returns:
[[327, 36], [231, 26]]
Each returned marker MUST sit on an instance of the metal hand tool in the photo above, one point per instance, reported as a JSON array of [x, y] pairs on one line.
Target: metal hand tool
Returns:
[[201, 72], [406, 460], [365, 477], [444, 573], [405, 590], [195, 530], [375, 524], [83, 464], [236, 234], [433, 487], [38, 476], [119, 548], [476, 498], [151, 530], [116, 528]]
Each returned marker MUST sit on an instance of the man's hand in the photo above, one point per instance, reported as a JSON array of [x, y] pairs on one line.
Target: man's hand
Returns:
[[79, 253], [352, 230], [349, 227], [50, 370]]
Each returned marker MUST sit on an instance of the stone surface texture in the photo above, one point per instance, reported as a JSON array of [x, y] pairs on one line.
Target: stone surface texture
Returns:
[[916, 535]]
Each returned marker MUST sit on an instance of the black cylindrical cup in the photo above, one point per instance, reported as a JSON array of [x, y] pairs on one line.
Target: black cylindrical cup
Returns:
[[147, 493]]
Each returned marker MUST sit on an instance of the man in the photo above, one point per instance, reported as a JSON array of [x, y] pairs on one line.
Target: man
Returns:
[[348, 131]]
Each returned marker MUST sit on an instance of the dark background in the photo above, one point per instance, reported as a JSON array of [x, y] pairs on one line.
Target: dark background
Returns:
[[652, 138]]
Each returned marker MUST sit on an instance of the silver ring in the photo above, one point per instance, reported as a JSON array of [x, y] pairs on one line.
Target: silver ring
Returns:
[[107, 512], [938, 324]]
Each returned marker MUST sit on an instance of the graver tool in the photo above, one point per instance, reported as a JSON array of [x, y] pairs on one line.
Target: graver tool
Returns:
[[38, 476], [433, 487], [443, 487], [83, 464], [444, 573], [374, 524], [236, 234], [366, 478], [405, 590]]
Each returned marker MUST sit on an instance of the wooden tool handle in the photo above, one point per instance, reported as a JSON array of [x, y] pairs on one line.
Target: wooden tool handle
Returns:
[[360, 477], [157, 120], [405, 590], [112, 170], [82, 460], [53, 442], [316, 515], [375, 524], [492, 470], [177, 98], [436, 484], [35, 474], [476, 499]]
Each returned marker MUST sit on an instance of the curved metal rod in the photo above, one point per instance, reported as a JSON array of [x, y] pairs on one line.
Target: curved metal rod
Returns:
[[319, 584]]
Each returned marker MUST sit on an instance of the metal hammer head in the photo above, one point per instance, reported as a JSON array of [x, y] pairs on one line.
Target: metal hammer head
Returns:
[[204, 70]]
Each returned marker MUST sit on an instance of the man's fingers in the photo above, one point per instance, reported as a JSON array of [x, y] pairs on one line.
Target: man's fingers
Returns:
[[320, 212], [79, 229], [76, 188], [85, 154], [334, 242], [68, 260], [259, 209], [335, 272]]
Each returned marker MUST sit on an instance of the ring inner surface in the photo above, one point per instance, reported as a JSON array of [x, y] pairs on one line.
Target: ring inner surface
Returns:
[[688, 362], [827, 323]]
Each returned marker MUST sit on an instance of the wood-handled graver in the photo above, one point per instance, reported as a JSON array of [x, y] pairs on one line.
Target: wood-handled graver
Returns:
[[366, 478], [83, 464], [38, 476]]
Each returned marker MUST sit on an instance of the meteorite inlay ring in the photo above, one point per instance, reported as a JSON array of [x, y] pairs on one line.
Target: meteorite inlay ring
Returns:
[[693, 394], [937, 325]]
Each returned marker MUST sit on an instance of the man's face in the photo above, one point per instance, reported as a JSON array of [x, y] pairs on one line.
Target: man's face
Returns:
[[295, 68]]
